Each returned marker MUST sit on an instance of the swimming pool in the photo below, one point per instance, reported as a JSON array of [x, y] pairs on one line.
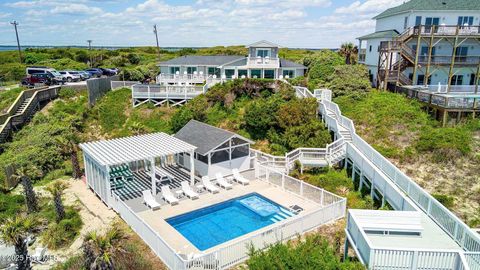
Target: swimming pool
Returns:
[[219, 223]]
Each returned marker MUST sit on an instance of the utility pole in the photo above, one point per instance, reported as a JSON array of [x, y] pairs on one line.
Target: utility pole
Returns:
[[89, 51], [15, 23], [156, 36]]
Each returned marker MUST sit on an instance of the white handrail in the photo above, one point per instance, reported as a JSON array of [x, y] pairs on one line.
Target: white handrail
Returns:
[[450, 223]]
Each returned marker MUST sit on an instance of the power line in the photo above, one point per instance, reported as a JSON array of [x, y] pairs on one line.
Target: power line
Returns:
[[15, 23]]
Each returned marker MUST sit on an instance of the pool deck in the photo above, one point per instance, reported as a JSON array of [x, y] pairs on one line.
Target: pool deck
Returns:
[[156, 219]]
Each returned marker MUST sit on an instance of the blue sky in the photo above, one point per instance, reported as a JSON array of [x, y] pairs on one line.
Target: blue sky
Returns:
[[294, 23]]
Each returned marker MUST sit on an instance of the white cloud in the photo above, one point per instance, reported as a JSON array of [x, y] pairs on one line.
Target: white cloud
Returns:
[[75, 9], [368, 7], [4, 15]]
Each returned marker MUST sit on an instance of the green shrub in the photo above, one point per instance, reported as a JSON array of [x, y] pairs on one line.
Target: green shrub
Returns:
[[348, 80], [8, 97], [446, 143], [10, 205], [314, 252], [260, 116], [321, 64], [66, 92], [446, 200], [61, 234]]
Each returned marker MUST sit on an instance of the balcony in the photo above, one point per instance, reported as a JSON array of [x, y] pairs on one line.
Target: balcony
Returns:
[[263, 62], [447, 30]]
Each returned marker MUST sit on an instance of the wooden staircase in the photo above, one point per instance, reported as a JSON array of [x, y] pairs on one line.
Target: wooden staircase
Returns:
[[393, 72]]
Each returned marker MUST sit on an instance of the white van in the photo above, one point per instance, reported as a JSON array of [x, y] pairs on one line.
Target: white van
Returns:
[[57, 77]]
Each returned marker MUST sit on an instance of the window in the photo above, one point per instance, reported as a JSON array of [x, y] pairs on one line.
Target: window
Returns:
[[421, 79], [220, 156], [173, 70], [213, 71], [201, 158], [461, 54], [429, 21], [255, 73], [242, 72], [424, 54], [240, 151], [370, 48], [263, 52], [229, 73], [190, 70], [237, 141], [289, 73], [465, 20], [269, 74], [457, 80], [418, 20], [472, 79], [405, 23]]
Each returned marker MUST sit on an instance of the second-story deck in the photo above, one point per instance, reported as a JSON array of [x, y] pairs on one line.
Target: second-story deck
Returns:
[[457, 97], [160, 94]]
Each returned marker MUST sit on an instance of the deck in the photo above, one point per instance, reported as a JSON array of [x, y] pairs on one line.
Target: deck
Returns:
[[319, 207], [141, 181], [156, 219]]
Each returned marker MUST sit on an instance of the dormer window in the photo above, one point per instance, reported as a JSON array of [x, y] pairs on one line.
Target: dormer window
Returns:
[[263, 52]]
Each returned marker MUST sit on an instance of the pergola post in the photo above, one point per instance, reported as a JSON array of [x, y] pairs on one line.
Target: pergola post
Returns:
[[192, 168], [152, 173]]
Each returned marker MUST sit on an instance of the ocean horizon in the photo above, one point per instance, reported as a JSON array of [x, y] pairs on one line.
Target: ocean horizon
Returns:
[[14, 48]]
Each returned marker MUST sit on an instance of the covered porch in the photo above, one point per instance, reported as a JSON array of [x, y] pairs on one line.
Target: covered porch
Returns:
[[127, 166]]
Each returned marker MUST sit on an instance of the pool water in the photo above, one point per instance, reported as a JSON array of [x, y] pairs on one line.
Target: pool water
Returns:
[[219, 223]]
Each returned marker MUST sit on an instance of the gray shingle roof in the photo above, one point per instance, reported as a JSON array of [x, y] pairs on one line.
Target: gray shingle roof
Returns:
[[289, 64], [202, 60], [204, 136], [431, 5]]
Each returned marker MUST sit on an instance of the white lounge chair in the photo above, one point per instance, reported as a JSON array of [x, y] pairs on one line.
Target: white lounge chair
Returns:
[[208, 185], [39, 256], [168, 195], [239, 178], [149, 200], [188, 191], [222, 182]]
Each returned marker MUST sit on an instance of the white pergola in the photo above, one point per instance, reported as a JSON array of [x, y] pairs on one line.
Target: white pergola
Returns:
[[108, 153]]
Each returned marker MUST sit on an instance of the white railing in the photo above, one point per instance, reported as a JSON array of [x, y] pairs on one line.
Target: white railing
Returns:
[[267, 61], [149, 91], [451, 224], [332, 207], [473, 260], [189, 78], [121, 84], [416, 259], [161, 248], [303, 92]]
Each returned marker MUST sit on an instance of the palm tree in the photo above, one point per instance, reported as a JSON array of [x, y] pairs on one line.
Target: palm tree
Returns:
[[349, 51], [99, 250], [56, 190], [23, 174], [68, 146], [14, 231]]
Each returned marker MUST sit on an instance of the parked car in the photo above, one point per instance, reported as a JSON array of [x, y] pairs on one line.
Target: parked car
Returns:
[[84, 75], [56, 76], [94, 72], [69, 76], [40, 78], [116, 70], [108, 72]]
